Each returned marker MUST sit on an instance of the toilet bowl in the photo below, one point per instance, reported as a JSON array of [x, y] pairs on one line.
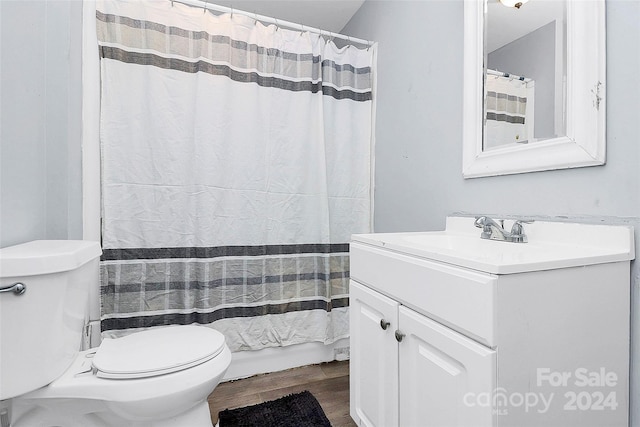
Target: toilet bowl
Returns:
[[159, 377], [148, 378]]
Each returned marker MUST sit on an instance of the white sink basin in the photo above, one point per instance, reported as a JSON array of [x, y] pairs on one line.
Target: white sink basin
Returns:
[[551, 245]]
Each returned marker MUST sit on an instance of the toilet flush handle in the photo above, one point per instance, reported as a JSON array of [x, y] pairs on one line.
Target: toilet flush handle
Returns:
[[17, 288]]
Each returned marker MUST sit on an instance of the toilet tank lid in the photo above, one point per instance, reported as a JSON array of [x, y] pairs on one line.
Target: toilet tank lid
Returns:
[[46, 256]]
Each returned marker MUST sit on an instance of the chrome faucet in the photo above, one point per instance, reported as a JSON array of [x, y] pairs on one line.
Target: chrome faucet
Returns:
[[493, 231]]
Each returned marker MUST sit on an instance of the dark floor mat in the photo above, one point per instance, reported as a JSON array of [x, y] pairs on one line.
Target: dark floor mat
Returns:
[[294, 410]]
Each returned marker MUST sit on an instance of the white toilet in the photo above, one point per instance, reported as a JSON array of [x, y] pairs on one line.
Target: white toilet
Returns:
[[155, 378]]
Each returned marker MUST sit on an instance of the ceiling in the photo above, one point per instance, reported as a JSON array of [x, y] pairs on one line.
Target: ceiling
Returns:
[[509, 24], [506, 24], [329, 15]]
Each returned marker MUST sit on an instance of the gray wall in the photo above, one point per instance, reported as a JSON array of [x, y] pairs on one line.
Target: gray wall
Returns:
[[40, 120], [418, 138], [533, 56]]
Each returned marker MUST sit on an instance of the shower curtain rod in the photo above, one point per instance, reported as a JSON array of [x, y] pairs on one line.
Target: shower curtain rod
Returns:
[[512, 76], [279, 23]]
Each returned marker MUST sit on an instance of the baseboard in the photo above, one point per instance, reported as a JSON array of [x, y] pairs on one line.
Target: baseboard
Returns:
[[248, 363]]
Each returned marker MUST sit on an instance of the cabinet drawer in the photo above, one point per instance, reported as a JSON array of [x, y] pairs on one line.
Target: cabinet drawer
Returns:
[[462, 299]]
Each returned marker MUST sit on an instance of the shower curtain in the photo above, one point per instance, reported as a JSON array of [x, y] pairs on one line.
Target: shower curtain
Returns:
[[236, 163], [509, 111]]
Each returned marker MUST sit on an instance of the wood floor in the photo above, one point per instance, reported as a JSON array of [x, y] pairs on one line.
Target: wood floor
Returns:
[[328, 382]]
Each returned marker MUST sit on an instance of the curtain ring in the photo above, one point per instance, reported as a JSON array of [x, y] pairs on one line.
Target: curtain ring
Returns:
[[232, 13], [302, 31], [171, 3], [369, 44], [348, 41], [329, 36], [204, 9], [277, 26], [255, 15]]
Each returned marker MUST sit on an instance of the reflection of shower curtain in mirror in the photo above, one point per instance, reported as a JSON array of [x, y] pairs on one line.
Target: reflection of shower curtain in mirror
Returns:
[[509, 111]]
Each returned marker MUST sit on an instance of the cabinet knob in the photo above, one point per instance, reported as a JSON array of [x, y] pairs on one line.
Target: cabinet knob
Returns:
[[384, 324], [399, 336]]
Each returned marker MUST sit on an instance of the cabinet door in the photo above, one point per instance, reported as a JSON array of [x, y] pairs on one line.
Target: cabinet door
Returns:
[[374, 358], [446, 379]]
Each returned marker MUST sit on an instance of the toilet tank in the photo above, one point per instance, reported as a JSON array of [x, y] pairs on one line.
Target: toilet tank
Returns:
[[41, 329]]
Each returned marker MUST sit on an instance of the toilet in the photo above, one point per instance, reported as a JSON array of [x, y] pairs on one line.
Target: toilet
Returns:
[[159, 377]]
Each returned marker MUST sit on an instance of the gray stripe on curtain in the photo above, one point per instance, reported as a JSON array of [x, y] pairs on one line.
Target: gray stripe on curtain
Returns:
[[504, 118], [197, 285], [222, 251], [107, 52], [508, 97], [224, 313]]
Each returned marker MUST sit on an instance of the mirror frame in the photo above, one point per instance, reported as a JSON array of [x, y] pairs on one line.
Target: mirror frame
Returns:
[[585, 140]]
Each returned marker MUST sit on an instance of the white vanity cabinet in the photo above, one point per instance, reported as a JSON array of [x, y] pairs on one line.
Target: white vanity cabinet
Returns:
[[427, 354], [434, 343]]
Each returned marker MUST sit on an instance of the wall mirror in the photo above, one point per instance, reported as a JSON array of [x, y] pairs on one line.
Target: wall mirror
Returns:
[[534, 86]]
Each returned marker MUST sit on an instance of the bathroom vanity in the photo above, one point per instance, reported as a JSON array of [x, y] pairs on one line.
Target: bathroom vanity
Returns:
[[448, 329]]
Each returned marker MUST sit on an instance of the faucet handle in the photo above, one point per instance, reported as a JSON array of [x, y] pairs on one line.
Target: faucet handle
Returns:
[[517, 231], [518, 223]]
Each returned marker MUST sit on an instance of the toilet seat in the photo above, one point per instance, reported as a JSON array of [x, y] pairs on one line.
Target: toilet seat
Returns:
[[81, 391], [157, 352]]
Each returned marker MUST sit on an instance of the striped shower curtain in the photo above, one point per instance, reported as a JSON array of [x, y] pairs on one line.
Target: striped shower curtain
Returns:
[[509, 111], [236, 163]]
